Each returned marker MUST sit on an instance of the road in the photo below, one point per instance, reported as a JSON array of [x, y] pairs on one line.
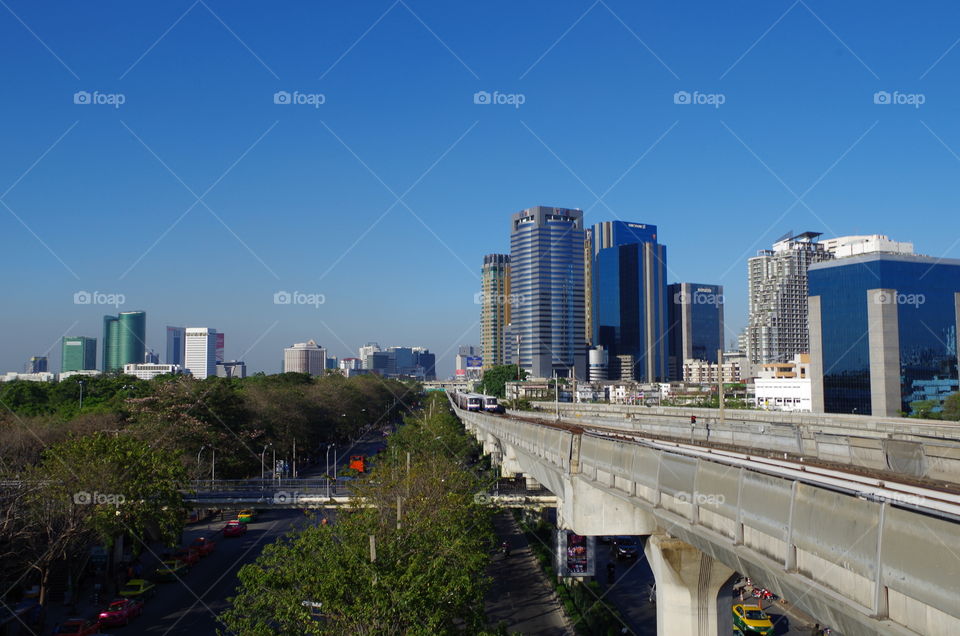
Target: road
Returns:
[[191, 605]]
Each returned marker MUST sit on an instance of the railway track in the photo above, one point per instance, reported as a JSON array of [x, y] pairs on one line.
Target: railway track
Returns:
[[926, 497]]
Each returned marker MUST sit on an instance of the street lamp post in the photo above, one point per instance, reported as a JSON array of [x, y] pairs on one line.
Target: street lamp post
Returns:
[[263, 472], [274, 463], [80, 382], [200, 452], [213, 466]]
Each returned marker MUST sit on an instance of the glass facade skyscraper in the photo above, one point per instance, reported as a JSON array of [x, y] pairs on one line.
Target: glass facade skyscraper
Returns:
[[882, 327], [694, 324], [123, 340], [628, 294], [78, 354], [546, 279]]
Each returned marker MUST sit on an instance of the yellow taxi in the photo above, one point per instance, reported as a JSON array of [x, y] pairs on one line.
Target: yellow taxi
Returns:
[[750, 619], [247, 516], [171, 570]]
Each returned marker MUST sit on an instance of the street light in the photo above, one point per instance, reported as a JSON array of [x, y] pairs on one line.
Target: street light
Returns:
[[198, 459], [263, 473], [81, 383]]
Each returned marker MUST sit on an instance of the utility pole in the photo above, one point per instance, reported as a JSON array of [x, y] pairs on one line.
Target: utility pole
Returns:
[[556, 392], [720, 378]]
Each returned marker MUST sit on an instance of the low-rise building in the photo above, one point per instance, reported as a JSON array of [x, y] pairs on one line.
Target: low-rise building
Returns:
[[145, 371], [232, 369], [43, 376], [784, 394], [704, 372]]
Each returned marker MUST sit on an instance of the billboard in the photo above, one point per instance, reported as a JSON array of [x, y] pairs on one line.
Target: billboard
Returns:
[[474, 362], [576, 554]]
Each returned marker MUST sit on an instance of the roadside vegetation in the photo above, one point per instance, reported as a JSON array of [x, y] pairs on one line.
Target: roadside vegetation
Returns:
[[111, 471], [409, 557]]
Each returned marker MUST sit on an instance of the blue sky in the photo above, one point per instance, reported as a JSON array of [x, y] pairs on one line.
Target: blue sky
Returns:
[[385, 197]]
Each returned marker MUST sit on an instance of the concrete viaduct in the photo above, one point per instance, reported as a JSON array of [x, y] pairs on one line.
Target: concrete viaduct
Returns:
[[855, 520]]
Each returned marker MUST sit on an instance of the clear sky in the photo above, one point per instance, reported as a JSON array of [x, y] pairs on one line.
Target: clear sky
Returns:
[[198, 197]]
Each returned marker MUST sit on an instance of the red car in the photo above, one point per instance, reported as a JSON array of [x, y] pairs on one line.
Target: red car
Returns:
[[120, 612], [189, 556], [203, 546], [234, 529], [78, 627]]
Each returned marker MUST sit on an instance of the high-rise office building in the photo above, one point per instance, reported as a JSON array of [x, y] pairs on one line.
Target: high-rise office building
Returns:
[[150, 357], [78, 354], [218, 350], [305, 357], [588, 285], [124, 337], [176, 341], [694, 324], [495, 304], [366, 351], [426, 361], [546, 270], [630, 297], [777, 327], [36, 364], [200, 352], [883, 327]]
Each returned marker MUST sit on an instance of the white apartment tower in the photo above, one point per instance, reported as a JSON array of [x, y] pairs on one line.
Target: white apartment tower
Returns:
[[305, 357], [777, 327], [200, 352]]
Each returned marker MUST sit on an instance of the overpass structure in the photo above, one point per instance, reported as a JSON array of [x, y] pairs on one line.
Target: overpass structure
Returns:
[[859, 527], [325, 493]]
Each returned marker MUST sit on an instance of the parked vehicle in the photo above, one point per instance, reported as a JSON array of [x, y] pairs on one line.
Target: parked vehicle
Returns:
[[235, 528], [203, 546], [138, 589], [121, 612], [750, 619], [190, 556], [171, 570]]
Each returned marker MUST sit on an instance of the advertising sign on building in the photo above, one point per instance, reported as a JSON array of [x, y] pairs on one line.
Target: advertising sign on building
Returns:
[[474, 362], [576, 554]]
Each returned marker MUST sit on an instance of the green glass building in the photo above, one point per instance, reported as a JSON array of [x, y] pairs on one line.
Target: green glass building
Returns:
[[124, 338], [78, 354]]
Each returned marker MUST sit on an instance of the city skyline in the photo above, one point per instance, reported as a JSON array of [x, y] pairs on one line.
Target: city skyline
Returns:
[[787, 117]]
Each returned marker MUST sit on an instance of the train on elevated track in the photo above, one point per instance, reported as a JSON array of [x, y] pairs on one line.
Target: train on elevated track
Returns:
[[477, 402]]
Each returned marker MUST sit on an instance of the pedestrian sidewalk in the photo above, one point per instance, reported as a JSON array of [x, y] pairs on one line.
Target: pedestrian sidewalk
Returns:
[[521, 596]]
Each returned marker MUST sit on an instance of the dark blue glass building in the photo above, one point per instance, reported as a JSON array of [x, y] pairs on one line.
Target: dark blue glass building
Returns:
[[694, 324], [882, 328], [628, 295]]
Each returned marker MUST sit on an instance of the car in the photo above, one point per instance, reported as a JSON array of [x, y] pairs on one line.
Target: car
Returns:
[[190, 556], [138, 589], [121, 611], [78, 627], [203, 546], [625, 548], [247, 516], [235, 528], [171, 570], [750, 619]]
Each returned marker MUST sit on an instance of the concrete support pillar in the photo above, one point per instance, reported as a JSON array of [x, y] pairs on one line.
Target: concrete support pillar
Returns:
[[884, 336], [688, 582]]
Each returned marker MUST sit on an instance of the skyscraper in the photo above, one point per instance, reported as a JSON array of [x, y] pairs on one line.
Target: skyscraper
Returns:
[[36, 364], [219, 347], [546, 271], [305, 357], [78, 354], [366, 351], [200, 352], [694, 324], [495, 304], [629, 298], [777, 327], [883, 328], [124, 336], [176, 341]]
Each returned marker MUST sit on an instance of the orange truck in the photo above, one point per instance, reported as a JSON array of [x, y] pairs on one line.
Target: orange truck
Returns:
[[358, 463]]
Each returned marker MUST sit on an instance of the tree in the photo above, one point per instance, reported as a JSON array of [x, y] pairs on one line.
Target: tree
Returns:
[[924, 409], [428, 576], [495, 379], [951, 407], [93, 488]]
